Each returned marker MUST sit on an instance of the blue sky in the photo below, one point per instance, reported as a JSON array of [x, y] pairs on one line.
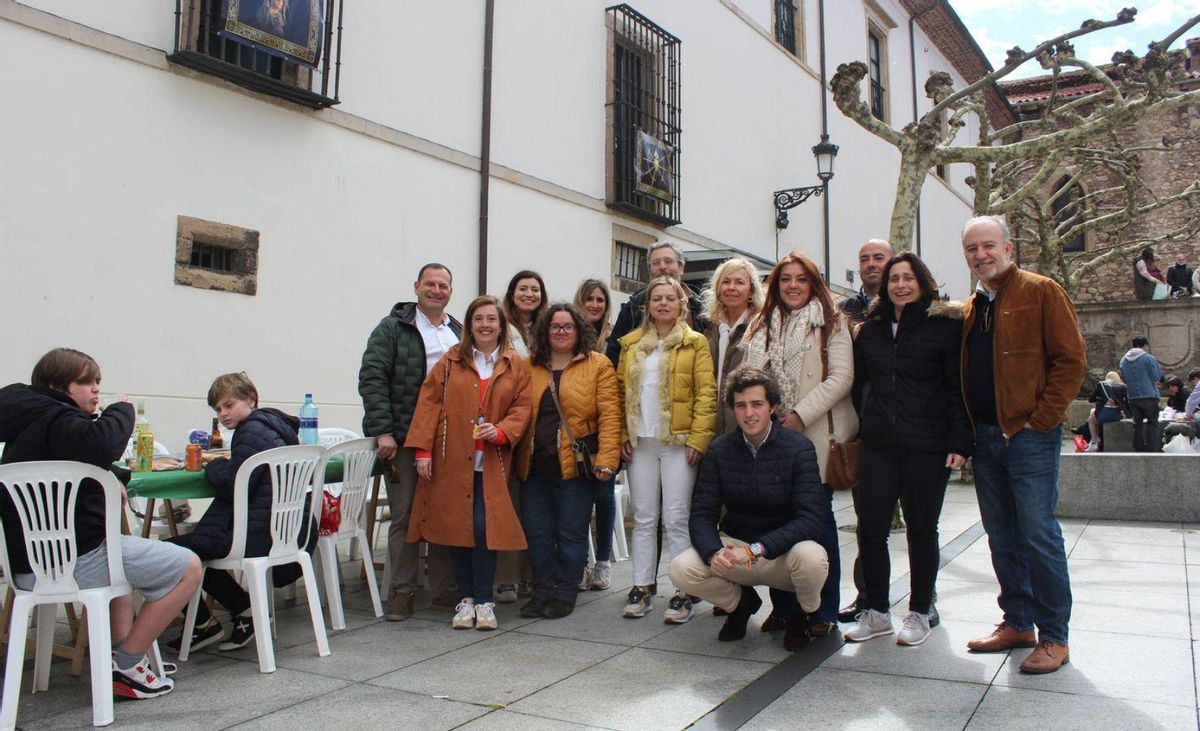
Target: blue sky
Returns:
[[1001, 24]]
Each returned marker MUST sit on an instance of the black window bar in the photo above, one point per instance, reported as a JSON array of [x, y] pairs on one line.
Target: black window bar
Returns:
[[199, 45], [631, 263], [645, 114], [785, 24], [213, 258]]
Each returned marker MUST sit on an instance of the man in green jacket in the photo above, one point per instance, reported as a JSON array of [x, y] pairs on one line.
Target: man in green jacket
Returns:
[[402, 349]]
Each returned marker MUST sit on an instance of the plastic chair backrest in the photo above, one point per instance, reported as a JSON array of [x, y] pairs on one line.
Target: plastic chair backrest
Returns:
[[358, 461], [45, 494], [297, 474], [331, 435], [160, 449]]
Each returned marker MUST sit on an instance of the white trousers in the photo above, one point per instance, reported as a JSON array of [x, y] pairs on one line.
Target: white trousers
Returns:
[[660, 485]]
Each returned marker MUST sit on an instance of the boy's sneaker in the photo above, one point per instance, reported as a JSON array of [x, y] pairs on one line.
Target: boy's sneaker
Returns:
[[139, 681], [506, 594], [464, 615], [637, 603], [915, 629], [201, 636], [601, 576], [485, 616], [242, 635], [870, 624], [679, 610]]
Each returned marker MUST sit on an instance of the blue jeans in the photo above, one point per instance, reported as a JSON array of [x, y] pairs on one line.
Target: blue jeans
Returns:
[[555, 515], [475, 567], [1017, 487], [606, 518]]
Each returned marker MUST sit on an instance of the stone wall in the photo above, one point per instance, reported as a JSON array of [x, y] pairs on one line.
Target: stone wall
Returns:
[[1172, 326]]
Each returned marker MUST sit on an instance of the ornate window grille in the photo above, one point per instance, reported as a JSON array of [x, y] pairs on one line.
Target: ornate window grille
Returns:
[[644, 117], [199, 45], [785, 24]]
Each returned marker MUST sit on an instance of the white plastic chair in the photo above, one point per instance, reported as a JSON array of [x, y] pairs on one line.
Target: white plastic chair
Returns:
[[331, 435], [358, 460], [297, 474], [45, 494]]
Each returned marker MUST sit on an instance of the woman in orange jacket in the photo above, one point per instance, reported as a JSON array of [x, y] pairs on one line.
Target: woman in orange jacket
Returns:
[[473, 406]]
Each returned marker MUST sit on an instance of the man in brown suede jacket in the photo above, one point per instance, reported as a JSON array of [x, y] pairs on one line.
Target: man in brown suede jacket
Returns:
[[1023, 361]]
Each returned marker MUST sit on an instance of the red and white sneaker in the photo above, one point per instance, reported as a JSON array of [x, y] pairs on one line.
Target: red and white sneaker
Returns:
[[139, 681]]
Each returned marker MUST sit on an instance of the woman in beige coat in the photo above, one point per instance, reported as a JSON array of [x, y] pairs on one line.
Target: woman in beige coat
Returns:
[[798, 321]]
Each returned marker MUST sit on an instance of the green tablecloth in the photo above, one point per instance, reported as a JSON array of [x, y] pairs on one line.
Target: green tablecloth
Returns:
[[180, 484]]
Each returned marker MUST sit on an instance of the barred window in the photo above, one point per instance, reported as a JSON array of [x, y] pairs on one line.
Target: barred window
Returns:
[[643, 117], [632, 271], [788, 26], [286, 48], [876, 63]]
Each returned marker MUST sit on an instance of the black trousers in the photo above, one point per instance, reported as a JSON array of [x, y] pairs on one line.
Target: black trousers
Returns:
[[918, 481], [1145, 424]]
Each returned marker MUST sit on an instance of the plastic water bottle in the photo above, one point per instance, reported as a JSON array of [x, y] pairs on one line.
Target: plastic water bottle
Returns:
[[308, 421]]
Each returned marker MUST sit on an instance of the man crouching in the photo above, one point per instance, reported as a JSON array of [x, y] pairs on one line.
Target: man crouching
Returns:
[[766, 481]]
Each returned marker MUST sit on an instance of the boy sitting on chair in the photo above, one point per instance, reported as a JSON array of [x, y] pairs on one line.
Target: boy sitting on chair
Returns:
[[765, 480], [235, 399], [54, 418]]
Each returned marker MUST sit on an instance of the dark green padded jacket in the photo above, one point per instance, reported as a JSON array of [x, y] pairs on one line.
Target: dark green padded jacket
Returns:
[[393, 368]]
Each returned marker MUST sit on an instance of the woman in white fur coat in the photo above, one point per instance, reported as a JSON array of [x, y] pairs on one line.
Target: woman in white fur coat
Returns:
[[669, 392], [786, 339]]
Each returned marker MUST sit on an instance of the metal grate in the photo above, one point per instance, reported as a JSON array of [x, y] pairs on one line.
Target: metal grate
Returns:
[[875, 57], [199, 45], [213, 258], [631, 263], [645, 117], [785, 24]]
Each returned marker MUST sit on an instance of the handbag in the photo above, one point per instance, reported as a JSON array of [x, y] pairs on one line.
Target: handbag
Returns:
[[841, 468], [584, 449]]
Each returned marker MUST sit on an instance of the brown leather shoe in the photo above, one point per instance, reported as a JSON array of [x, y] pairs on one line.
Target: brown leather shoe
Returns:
[[399, 608], [1046, 658], [820, 629], [1003, 638]]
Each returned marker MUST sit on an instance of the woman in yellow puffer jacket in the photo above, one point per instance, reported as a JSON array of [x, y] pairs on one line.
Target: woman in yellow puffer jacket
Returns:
[[570, 381], [669, 393]]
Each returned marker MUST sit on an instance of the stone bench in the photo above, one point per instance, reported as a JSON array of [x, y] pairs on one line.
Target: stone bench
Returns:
[[1107, 486]]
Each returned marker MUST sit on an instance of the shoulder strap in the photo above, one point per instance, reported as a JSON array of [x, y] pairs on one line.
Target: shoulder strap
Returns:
[[561, 416], [824, 375]]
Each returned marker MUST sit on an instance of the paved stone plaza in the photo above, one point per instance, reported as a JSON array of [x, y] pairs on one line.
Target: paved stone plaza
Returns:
[[1133, 660]]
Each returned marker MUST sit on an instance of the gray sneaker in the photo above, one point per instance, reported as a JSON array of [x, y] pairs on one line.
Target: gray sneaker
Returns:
[[586, 582], [506, 594], [637, 603], [601, 576], [915, 629], [870, 624], [679, 610]]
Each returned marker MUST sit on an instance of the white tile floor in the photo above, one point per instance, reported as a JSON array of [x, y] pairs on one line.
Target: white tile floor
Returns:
[[1133, 664]]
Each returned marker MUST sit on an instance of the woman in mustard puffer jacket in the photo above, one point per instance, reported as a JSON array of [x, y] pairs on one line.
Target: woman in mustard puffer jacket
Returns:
[[569, 379], [669, 394]]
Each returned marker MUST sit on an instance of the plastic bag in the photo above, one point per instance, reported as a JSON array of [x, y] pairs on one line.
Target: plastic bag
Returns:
[[1179, 444], [1081, 444], [1161, 291], [331, 514]]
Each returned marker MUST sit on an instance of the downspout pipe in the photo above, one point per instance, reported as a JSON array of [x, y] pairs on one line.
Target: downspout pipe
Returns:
[[485, 142], [824, 130]]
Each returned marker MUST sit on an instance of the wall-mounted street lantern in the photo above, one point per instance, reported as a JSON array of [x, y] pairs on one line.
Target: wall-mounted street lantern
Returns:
[[825, 152]]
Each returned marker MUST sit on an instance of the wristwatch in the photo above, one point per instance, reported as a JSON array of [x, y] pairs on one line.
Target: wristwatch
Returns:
[[757, 549]]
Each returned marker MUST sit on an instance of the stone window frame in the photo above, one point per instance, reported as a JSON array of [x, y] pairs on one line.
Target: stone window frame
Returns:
[[797, 27], [879, 24], [242, 241]]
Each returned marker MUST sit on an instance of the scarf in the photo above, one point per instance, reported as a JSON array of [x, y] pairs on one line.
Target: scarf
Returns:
[[784, 357]]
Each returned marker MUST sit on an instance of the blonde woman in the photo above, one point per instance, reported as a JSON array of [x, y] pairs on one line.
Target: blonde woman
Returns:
[[732, 300], [666, 378], [797, 322]]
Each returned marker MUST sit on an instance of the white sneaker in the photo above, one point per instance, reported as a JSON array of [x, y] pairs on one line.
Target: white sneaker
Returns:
[[870, 624], [601, 576], [506, 593], [139, 681], [586, 582], [1092, 447], [485, 616], [915, 629], [464, 615], [679, 610]]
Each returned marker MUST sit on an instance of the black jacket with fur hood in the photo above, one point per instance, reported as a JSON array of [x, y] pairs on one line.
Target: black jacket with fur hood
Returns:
[[907, 386]]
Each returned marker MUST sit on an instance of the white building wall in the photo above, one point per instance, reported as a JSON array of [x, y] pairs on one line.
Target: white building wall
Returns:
[[110, 144]]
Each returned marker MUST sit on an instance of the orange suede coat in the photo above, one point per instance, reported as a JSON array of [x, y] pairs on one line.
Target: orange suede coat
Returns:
[[444, 423]]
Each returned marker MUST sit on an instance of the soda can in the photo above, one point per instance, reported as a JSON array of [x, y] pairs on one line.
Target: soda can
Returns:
[[195, 462], [145, 452]]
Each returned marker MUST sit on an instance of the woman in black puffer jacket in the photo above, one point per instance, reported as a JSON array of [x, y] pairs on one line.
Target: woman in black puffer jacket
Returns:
[[914, 429]]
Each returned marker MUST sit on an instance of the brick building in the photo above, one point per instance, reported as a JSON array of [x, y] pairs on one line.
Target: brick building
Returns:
[[1164, 173]]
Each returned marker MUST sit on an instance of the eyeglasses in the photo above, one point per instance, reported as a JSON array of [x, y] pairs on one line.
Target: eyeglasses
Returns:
[[663, 260], [557, 329]]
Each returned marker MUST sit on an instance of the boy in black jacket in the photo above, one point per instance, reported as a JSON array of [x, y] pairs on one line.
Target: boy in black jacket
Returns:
[[766, 480], [235, 399], [54, 419]]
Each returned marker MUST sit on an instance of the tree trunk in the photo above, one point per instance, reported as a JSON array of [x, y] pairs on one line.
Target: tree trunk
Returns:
[[913, 169]]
